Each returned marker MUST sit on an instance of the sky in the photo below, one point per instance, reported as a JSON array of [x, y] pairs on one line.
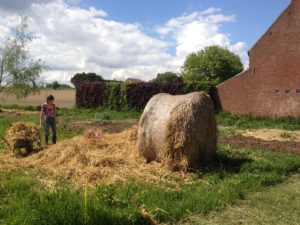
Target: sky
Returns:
[[122, 39]]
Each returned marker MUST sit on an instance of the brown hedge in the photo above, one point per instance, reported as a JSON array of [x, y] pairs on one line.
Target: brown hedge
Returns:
[[116, 95]]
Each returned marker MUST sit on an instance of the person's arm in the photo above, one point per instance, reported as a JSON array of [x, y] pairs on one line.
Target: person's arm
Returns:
[[42, 115], [55, 113], [41, 118]]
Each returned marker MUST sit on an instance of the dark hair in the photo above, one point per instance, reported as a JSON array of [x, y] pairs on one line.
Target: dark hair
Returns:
[[50, 97]]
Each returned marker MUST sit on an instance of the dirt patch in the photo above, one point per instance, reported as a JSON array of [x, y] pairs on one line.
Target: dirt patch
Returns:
[[240, 141], [273, 135], [16, 112], [106, 127]]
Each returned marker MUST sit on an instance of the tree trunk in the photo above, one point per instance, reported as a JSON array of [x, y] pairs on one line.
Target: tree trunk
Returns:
[[1, 73]]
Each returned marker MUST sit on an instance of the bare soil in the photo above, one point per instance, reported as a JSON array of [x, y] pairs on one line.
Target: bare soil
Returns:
[[19, 112], [240, 141]]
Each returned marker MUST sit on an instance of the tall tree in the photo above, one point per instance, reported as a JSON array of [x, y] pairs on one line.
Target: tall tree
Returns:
[[79, 78], [19, 73], [213, 63], [168, 77]]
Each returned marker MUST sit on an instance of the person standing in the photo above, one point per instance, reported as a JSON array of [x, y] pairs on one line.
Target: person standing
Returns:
[[48, 116]]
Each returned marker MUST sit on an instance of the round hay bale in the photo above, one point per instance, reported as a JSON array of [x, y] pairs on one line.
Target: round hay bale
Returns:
[[179, 131]]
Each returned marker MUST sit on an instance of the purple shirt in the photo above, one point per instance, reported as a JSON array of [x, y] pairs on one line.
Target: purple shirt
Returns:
[[47, 111]]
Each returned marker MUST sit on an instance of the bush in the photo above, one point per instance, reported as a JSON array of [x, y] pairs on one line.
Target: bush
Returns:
[[90, 95], [112, 95], [120, 96], [138, 95]]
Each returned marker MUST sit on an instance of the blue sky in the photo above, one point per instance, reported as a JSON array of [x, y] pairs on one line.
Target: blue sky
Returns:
[[119, 39], [253, 17]]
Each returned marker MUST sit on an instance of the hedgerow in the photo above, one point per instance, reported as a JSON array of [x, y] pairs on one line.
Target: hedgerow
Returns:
[[119, 96]]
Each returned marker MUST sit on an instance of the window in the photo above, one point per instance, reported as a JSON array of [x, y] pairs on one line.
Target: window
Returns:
[[277, 92], [298, 91], [287, 91]]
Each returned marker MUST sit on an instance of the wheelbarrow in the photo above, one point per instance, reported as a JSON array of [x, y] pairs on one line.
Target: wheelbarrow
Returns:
[[20, 147]]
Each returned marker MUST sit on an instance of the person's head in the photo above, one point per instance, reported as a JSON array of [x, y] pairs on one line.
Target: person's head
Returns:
[[50, 99]]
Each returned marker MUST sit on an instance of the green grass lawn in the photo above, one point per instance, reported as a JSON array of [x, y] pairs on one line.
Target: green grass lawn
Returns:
[[249, 122], [236, 175], [278, 205], [235, 180]]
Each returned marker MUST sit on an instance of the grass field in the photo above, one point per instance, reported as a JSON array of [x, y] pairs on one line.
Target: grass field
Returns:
[[250, 122], [278, 205], [63, 98], [242, 186], [235, 177]]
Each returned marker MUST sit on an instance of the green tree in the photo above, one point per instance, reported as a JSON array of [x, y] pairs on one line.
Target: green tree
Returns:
[[213, 63], [168, 77], [18, 72], [85, 77], [55, 85]]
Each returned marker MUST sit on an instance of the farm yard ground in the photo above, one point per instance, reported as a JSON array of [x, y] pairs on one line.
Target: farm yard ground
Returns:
[[241, 187], [65, 98]]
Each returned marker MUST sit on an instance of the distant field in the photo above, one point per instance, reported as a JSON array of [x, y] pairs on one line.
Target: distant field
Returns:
[[63, 98]]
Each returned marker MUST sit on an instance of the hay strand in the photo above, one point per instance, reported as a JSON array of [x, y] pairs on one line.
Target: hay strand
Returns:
[[91, 160], [148, 217]]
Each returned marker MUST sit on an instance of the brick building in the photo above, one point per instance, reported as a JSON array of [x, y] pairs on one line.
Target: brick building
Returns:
[[271, 85]]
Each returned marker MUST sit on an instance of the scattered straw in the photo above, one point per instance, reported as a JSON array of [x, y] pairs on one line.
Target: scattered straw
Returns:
[[28, 132], [149, 217], [95, 159]]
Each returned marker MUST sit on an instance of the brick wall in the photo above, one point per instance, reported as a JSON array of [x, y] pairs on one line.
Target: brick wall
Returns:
[[274, 65]]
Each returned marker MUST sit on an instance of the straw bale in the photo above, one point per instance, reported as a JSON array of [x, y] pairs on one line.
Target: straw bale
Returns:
[[178, 131]]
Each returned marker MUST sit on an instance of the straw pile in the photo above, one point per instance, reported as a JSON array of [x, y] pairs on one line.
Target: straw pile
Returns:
[[179, 131], [92, 159], [23, 132]]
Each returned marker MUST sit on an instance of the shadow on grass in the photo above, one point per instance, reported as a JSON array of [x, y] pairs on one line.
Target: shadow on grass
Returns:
[[223, 163]]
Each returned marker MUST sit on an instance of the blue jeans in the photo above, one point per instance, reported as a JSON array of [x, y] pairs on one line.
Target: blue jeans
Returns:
[[50, 122]]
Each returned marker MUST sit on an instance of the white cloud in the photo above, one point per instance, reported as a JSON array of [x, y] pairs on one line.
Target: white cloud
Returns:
[[210, 11], [22, 5], [200, 29], [19, 6], [71, 39]]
